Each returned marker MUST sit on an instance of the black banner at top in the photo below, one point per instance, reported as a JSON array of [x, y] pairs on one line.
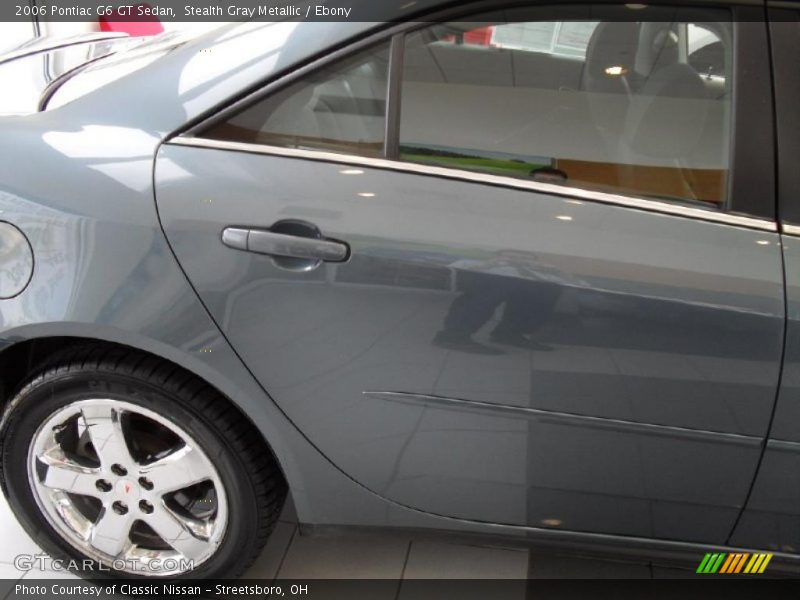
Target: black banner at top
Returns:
[[211, 10], [326, 10]]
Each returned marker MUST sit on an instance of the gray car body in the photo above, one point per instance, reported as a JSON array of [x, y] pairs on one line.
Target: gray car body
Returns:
[[631, 437]]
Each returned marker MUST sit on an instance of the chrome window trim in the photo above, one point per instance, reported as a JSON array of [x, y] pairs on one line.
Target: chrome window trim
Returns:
[[634, 202], [793, 230]]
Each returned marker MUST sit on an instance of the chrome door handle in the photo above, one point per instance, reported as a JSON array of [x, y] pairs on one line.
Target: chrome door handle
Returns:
[[285, 245]]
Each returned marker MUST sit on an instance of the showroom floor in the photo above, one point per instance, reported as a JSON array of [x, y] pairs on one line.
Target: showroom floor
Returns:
[[291, 556]]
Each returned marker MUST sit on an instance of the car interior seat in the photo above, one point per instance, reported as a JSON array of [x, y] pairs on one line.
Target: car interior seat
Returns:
[[610, 58], [666, 118], [605, 85]]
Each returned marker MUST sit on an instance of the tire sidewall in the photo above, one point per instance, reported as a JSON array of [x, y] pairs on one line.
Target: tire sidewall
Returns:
[[39, 400]]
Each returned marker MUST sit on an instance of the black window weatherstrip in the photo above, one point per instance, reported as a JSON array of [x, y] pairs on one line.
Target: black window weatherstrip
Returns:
[[784, 29], [751, 180]]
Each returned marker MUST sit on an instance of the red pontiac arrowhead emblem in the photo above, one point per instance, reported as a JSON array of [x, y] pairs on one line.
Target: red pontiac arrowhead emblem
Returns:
[[127, 488]]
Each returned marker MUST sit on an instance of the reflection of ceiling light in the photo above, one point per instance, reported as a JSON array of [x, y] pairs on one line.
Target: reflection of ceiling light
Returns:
[[366, 194], [636, 6], [574, 202], [564, 218], [351, 172], [552, 522], [616, 71], [762, 243]]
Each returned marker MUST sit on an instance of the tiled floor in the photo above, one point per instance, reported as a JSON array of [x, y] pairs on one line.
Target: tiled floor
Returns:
[[291, 556]]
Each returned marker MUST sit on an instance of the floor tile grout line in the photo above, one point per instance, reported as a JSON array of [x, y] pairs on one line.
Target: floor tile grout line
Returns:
[[286, 552], [8, 594], [403, 570]]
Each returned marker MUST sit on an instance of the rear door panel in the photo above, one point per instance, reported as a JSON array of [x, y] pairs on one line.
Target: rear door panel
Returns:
[[640, 411]]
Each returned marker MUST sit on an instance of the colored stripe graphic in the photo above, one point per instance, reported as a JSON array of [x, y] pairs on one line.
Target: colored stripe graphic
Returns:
[[755, 562], [727, 564], [767, 558], [703, 564], [734, 563], [730, 564], [740, 564], [714, 563]]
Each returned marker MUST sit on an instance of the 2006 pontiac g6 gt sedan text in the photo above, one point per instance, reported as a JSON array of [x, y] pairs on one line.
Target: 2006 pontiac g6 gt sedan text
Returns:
[[529, 273]]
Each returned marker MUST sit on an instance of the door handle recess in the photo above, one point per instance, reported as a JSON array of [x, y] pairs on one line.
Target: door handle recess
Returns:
[[285, 245]]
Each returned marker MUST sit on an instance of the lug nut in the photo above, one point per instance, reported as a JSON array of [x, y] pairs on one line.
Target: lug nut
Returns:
[[145, 483], [145, 506], [120, 507], [119, 470], [103, 485]]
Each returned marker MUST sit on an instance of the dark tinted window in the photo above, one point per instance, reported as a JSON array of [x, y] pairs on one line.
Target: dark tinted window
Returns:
[[341, 108]]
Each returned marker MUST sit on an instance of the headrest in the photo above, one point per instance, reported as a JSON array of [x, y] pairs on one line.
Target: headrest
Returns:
[[610, 53], [658, 47], [660, 123]]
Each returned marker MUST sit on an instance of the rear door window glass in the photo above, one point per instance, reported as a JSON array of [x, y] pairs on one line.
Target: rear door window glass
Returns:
[[633, 107]]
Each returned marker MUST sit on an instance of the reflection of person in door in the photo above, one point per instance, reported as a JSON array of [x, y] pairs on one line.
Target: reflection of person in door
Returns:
[[513, 278]]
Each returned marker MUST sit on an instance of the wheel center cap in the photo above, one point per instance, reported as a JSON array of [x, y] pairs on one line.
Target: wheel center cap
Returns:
[[126, 489]]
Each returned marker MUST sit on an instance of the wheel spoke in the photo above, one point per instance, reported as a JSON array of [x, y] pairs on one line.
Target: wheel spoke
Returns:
[[88, 449], [176, 531], [178, 470], [64, 474], [110, 532], [108, 438]]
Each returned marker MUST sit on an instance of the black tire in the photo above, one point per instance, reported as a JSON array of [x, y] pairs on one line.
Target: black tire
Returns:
[[255, 486]]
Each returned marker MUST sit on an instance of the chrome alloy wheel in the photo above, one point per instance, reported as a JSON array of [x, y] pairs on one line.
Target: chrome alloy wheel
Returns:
[[127, 488]]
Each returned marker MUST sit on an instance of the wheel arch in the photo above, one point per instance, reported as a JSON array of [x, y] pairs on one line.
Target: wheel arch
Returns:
[[320, 492], [22, 356]]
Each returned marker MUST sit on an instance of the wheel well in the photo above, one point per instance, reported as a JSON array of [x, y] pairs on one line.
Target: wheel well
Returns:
[[18, 362]]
